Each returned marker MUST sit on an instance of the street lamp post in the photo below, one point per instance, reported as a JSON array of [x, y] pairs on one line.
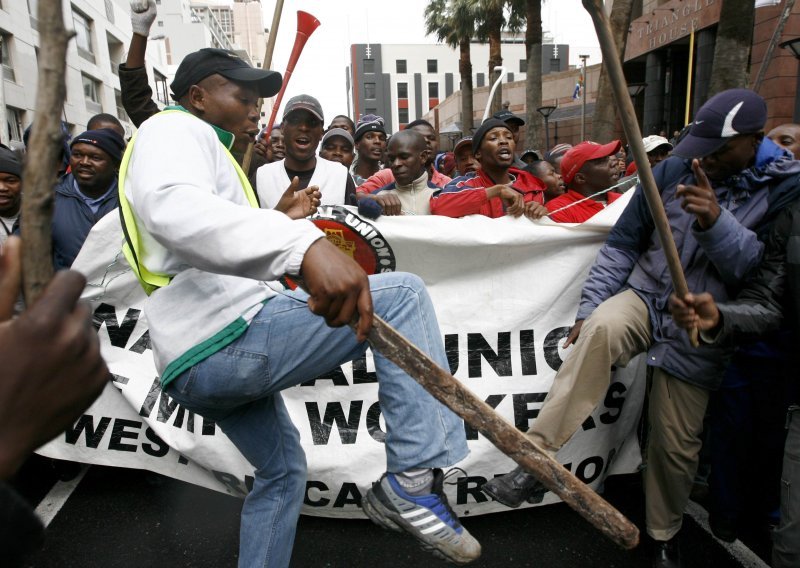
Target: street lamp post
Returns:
[[583, 97], [793, 45], [546, 111]]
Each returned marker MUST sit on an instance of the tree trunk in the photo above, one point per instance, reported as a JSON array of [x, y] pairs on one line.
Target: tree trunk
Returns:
[[465, 69], [43, 152], [534, 130], [495, 60], [604, 119], [731, 68]]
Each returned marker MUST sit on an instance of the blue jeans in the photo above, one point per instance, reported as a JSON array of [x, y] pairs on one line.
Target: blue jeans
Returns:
[[285, 345]]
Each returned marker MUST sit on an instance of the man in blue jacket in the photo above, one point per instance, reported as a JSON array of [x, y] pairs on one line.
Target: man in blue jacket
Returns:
[[721, 188], [87, 193]]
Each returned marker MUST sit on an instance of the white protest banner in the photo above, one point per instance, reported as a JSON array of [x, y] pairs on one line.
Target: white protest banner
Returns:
[[505, 291]]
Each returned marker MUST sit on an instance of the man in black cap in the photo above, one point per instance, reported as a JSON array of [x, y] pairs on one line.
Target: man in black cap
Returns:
[[302, 131], [497, 188], [225, 344], [623, 309], [514, 123], [87, 193]]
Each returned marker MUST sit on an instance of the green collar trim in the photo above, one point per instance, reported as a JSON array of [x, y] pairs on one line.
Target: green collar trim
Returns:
[[224, 136]]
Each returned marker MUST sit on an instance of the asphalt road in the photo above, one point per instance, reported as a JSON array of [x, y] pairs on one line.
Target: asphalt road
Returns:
[[128, 518]]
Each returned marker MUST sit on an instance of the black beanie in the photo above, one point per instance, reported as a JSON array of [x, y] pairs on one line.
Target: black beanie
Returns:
[[10, 162], [487, 125], [104, 138]]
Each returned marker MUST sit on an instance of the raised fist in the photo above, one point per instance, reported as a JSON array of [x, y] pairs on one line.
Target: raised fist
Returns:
[[143, 14]]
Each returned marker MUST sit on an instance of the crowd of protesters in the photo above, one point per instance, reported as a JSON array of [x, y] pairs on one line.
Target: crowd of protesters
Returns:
[[729, 190]]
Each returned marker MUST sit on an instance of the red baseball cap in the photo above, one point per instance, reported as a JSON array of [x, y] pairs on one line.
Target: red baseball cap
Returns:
[[585, 151]]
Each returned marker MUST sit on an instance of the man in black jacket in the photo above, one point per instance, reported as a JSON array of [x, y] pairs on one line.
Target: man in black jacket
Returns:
[[773, 290]]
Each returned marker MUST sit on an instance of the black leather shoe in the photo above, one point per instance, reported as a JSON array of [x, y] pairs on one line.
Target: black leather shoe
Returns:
[[666, 553], [515, 487]]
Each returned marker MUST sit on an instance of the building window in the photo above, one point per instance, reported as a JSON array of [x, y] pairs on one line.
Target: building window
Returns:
[[510, 78], [433, 90], [91, 93], [555, 65], [433, 66], [6, 44], [402, 90], [369, 90], [401, 66], [116, 52], [369, 66], [523, 65], [161, 87], [33, 11], [121, 114], [14, 123], [83, 35], [402, 115]]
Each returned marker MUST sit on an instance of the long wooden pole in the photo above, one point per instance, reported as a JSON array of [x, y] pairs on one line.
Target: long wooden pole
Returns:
[[475, 412], [273, 36], [448, 390], [776, 36], [44, 152], [634, 136]]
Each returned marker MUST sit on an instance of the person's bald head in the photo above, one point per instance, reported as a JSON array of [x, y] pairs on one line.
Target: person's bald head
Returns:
[[407, 156], [787, 136]]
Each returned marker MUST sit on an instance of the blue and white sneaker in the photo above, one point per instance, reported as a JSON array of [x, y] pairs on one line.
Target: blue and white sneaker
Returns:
[[428, 518]]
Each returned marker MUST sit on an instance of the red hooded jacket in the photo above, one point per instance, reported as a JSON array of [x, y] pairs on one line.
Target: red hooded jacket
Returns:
[[466, 195]]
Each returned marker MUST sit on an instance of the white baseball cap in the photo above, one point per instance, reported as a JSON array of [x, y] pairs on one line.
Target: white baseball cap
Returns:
[[653, 142]]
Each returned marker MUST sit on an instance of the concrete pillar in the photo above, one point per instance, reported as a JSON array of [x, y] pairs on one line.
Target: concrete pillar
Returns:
[[704, 49], [654, 93]]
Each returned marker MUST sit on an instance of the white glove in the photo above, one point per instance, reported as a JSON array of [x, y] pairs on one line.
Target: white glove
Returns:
[[143, 14]]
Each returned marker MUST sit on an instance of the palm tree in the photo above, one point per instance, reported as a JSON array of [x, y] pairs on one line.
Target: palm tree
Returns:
[[604, 119], [533, 79], [492, 16], [453, 23]]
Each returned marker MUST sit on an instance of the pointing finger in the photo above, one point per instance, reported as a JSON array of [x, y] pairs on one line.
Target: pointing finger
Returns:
[[700, 175]]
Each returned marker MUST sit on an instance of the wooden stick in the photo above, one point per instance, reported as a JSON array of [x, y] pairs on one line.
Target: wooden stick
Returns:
[[43, 152], [273, 35], [448, 390], [634, 136], [475, 412], [776, 37]]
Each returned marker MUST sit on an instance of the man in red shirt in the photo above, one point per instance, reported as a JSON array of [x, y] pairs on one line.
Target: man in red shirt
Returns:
[[586, 169], [497, 188]]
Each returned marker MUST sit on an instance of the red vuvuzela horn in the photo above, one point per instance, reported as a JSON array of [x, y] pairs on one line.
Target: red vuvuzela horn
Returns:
[[306, 24]]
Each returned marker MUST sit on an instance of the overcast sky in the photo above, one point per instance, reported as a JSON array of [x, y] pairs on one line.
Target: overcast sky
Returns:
[[321, 69]]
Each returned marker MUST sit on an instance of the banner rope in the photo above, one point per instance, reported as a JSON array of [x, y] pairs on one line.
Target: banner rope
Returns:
[[629, 181], [103, 283]]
